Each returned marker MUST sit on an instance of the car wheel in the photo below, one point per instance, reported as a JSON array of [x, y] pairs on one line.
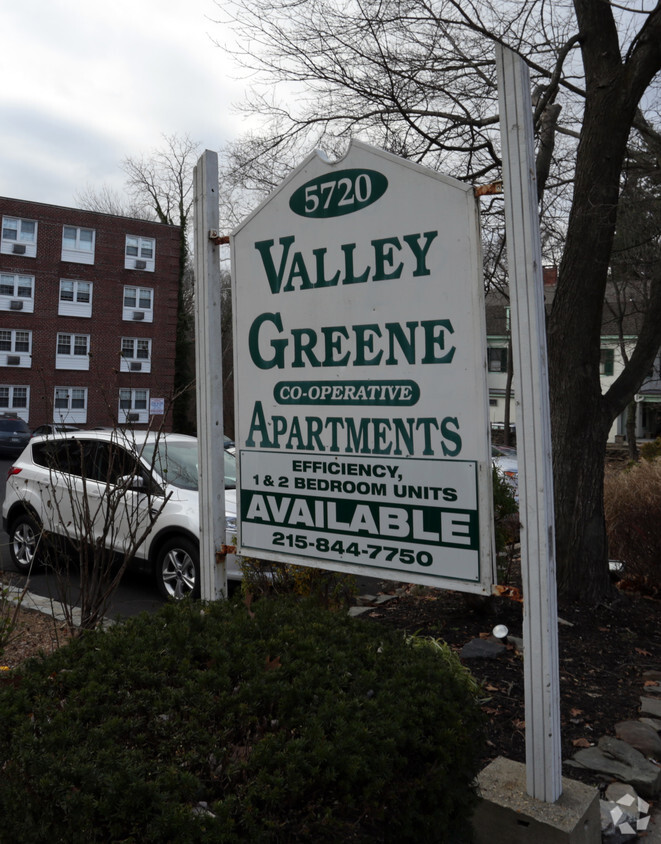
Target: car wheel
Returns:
[[178, 569], [24, 538]]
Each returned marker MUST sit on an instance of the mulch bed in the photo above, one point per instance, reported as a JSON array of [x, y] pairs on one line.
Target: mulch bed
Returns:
[[603, 653]]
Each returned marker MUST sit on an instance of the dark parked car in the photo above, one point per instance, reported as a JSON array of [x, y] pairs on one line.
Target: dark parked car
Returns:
[[14, 435]]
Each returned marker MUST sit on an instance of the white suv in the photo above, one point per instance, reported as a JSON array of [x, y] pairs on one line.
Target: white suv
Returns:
[[130, 491]]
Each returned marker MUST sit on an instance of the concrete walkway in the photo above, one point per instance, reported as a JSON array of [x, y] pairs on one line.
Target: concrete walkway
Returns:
[[48, 606]]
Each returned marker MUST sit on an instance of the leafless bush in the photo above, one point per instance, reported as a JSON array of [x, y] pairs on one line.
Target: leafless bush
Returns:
[[103, 496], [10, 606], [632, 507], [109, 510], [331, 589]]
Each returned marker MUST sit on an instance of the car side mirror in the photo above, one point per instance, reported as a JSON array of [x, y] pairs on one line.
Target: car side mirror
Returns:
[[134, 482]]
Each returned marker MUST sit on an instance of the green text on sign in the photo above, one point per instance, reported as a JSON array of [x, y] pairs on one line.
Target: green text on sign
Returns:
[[338, 194]]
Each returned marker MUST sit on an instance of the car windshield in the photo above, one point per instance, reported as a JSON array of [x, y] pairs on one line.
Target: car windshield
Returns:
[[176, 463]]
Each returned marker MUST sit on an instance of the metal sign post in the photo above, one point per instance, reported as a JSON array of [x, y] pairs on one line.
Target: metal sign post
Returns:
[[208, 364], [540, 617]]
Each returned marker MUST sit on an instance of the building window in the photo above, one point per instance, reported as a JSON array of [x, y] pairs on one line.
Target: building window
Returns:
[[497, 357], [78, 244], [16, 400], [138, 304], [72, 351], [23, 341], [135, 355], [139, 254], [133, 406], [606, 361], [70, 404], [15, 347], [19, 237], [16, 292], [75, 298]]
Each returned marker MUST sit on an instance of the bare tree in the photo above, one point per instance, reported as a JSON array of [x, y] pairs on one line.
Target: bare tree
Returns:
[[160, 187], [636, 259], [163, 179], [105, 200], [101, 501], [103, 493], [417, 77]]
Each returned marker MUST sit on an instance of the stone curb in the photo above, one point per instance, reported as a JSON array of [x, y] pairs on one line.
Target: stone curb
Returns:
[[29, 601]]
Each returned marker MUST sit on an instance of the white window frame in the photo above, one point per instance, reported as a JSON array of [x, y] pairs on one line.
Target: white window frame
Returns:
[[138, 312], [140, 253], [17, 301], [74, 358], [70, 404], [80, 252], [497, 354], [606, 362], [74, 306], [24, 243], [132, 357], [17, 400], [133, 406], [14, 356]]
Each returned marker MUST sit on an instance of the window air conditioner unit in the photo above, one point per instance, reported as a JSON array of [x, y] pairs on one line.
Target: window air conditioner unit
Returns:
[[19, 249], [135, 366], [16, 305], [13, 360], [140, 265], [138, 315], [132, 417]]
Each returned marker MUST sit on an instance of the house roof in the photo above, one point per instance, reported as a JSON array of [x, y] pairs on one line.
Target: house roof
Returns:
[[622, 313]]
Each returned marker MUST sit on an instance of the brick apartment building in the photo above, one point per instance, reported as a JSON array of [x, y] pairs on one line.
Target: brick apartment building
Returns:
[[88, 315]]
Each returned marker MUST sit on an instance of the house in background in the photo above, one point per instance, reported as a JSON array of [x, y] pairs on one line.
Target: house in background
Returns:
[[620, 326], [88, 316]]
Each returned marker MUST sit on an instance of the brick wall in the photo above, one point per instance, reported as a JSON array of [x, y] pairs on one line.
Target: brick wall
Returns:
[[106, 325]]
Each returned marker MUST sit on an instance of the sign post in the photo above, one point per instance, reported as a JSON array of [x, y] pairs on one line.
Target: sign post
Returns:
[[360, 374], [362, 421], [540, 615], [208, 360]]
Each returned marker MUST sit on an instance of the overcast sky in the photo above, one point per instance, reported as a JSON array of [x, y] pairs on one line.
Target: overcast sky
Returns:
[[88, 82]]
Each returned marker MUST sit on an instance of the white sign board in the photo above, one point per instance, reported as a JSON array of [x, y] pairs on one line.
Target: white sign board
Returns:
[[360, 373]]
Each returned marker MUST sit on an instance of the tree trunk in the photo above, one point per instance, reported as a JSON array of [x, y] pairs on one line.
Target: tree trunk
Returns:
[[581, 541], [580, 417]]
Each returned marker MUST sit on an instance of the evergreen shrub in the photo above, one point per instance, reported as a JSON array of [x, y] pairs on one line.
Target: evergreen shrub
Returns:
[[505, 513], [280, 722]]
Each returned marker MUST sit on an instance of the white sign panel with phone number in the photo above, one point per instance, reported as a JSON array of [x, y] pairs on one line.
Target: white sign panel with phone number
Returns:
[[360, 374]]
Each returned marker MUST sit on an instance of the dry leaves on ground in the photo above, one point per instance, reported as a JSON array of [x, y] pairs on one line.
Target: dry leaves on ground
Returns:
[[35, 633]]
